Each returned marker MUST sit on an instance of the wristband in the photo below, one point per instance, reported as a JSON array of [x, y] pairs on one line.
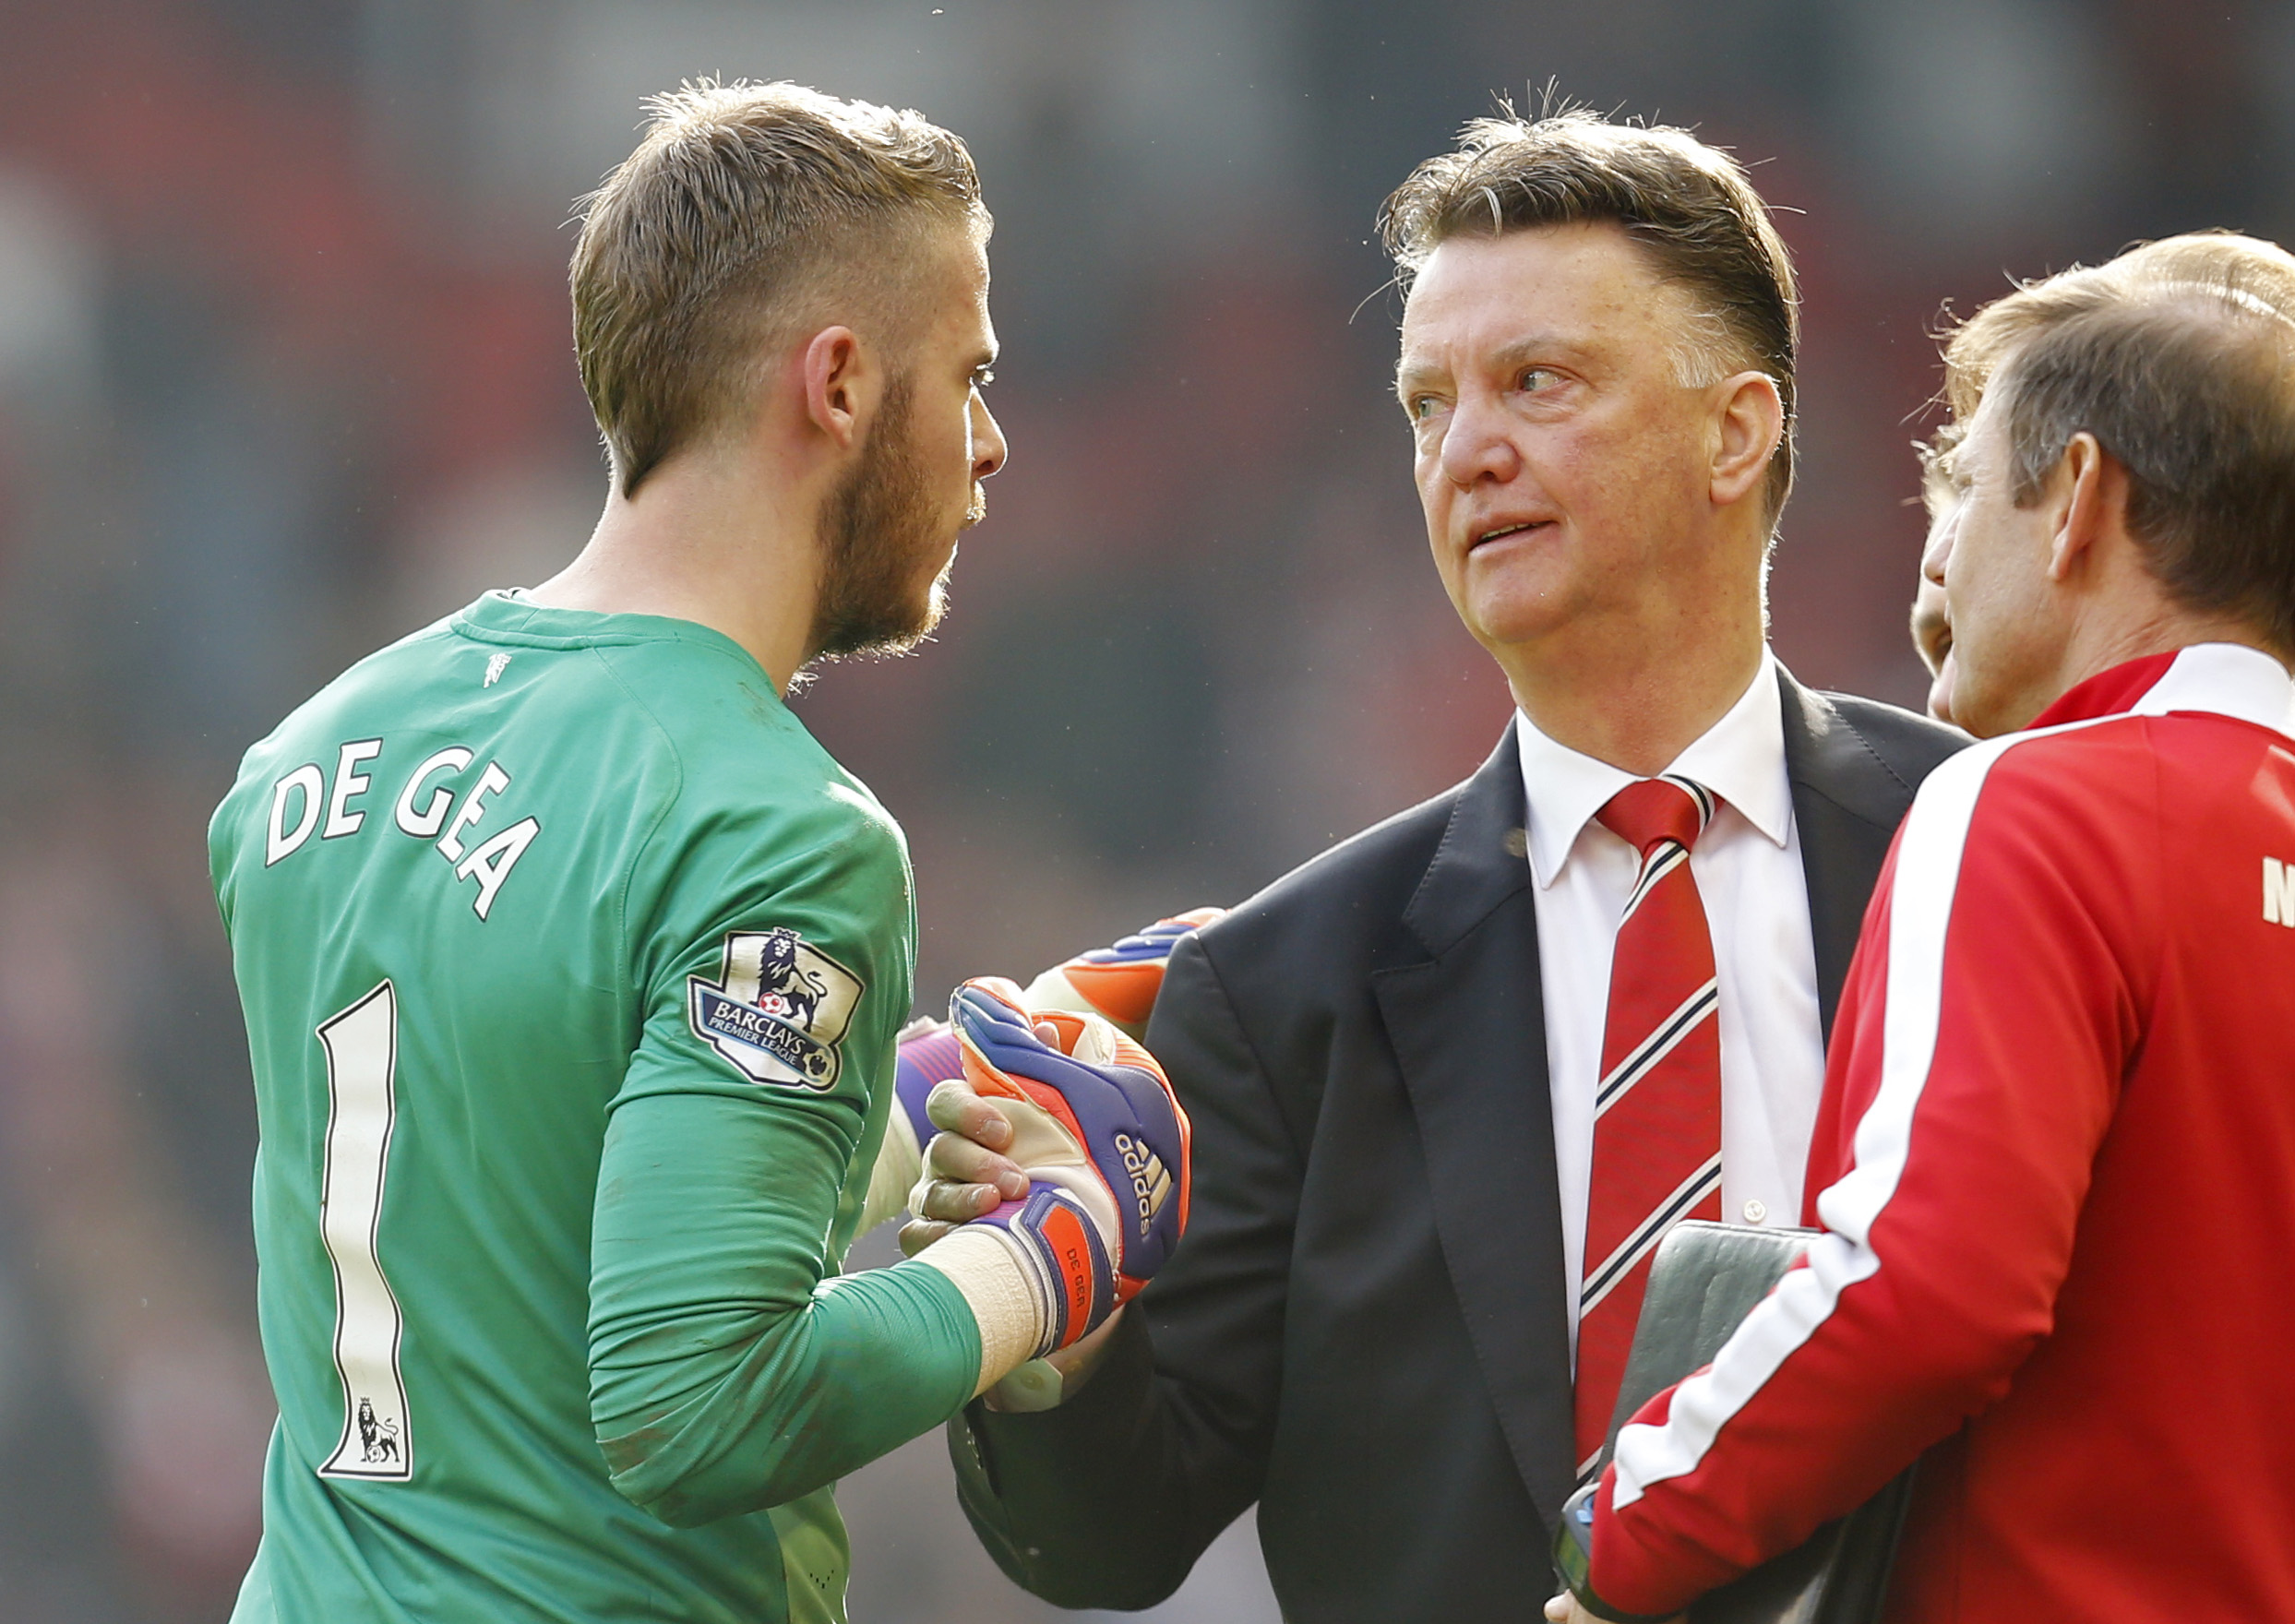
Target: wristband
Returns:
[[1067, 1263], [1573, 1555]]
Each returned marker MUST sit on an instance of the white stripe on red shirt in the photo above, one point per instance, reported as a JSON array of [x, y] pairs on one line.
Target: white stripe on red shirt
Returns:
[[2069, 1022]]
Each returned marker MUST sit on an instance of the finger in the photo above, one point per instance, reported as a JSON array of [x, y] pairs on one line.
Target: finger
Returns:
[[953, 1106], [1005, 1041], [918, 1233], [950, 1203], [959, 1161], [1048, 1034]]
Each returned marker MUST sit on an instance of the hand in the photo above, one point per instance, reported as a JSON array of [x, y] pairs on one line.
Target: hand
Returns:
[[1101, 1139], [1026, 1389], [1119, 984], [1573, 1555], [1566, 1608], [964, 1177], [962, 1181], [959, 1173]]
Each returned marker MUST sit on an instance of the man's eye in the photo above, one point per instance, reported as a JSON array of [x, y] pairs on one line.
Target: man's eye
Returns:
[[1534, 378], [1422, 406]]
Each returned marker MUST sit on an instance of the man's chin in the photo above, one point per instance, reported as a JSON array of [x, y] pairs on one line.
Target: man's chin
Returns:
[[927, 620], [1518, 618], [887, 637], [934, 606], [1940, 690]]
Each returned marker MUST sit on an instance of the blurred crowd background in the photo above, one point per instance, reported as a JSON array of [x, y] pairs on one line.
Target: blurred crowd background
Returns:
[[284, 374]]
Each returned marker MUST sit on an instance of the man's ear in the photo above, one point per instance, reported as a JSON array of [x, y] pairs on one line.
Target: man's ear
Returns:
[[1749, 423], [2093, 491], [840, 385]]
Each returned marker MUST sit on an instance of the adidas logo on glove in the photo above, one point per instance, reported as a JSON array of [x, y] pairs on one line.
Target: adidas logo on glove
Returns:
[[1150, 1183], [1089, 1109]]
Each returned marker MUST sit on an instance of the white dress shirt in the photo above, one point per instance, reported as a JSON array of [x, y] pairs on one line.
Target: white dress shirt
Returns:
[[1747, 867]]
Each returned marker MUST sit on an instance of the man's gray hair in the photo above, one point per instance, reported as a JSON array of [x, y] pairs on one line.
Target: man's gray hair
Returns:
[[1686, 205], [2179, 357]]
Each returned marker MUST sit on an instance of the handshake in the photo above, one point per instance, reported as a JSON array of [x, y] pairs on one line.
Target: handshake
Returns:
[[1038, 1117]]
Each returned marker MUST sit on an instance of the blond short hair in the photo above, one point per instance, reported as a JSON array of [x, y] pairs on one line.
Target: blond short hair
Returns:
[[747, 211]]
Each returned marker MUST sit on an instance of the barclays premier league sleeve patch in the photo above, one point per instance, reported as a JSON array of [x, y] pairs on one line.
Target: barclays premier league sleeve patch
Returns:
[[778, 1010]]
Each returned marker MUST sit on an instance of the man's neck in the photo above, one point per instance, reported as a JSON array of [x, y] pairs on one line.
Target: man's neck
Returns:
[[1636, 702], [709, 539], [2131, 625]]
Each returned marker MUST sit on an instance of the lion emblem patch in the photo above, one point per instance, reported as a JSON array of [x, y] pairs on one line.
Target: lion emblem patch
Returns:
[[778, 1010]]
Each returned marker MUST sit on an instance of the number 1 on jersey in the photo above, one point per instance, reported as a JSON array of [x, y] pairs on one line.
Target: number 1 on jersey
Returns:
[[362, 1063]]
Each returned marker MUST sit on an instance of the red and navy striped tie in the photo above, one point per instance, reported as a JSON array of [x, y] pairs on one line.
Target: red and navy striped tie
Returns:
[[1657, 1112]]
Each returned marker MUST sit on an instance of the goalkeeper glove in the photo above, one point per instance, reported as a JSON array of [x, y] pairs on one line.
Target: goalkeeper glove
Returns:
[[925, 1054], [1116, 983], [1119, 982], [1102, 1140]]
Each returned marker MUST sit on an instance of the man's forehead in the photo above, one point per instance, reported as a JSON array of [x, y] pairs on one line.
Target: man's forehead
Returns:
[[960, 261], [1527, 343], [1976, 442], [954, 276], [1573, 285], [1581, 256]]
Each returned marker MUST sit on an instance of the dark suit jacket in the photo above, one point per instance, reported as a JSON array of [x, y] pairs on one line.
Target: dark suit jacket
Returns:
[[1364, 1329]]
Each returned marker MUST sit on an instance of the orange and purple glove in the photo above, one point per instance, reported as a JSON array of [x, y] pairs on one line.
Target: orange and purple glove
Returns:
[[1120, 982], [1102, 1140]]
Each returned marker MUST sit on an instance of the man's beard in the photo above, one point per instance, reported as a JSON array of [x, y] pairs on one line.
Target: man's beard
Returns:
[[878, 532]]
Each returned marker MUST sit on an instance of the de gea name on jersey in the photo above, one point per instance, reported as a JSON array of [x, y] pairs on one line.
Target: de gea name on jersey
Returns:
[[431, 806]]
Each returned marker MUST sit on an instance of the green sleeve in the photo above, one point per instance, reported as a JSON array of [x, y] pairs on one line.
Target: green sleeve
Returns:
[[731, 1369], [727, 1374]]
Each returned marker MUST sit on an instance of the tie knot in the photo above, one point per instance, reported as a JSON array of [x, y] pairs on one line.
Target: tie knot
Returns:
[[1653, 810]]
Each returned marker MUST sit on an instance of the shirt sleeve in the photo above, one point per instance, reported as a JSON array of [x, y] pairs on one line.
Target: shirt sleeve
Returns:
[[1992, 1007], [731, 1369]]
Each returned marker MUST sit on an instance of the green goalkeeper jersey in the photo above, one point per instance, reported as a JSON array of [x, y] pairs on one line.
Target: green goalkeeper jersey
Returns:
[[571, 966]]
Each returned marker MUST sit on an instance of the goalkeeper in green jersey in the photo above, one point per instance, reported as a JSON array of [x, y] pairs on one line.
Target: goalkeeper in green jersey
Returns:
[[572, 966]]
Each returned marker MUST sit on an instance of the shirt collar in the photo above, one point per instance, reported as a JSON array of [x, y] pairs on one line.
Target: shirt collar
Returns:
[[1741, 759], [2229, 679]]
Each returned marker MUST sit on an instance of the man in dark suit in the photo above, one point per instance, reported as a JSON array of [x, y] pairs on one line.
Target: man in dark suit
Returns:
[[1424, 1200]]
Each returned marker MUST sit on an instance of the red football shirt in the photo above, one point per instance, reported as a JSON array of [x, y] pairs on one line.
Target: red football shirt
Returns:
[[2056, 1173]]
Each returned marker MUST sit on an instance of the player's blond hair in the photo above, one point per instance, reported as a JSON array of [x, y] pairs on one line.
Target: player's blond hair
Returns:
[[747, 213], [2179, 357]]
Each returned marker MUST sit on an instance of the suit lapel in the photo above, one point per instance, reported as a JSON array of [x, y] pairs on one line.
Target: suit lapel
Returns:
[[1846, 804], [1465, 1017], [1469, 1035]]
